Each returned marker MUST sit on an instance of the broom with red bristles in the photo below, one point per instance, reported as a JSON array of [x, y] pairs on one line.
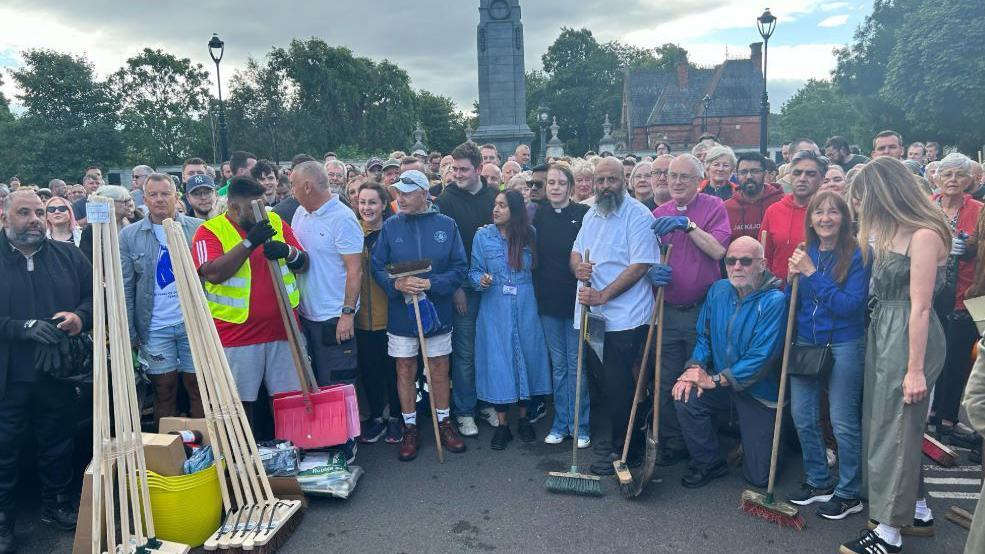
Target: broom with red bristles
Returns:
[[766, 505]]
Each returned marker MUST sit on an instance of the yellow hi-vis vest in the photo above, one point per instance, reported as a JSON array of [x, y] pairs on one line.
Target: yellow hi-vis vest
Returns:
[[230, 300]]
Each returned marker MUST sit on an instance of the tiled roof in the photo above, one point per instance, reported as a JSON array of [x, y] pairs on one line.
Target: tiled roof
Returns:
[[654, 97]]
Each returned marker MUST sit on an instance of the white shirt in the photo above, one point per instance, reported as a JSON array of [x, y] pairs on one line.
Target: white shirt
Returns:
[[326, 234], [167, 308], [615, 242]]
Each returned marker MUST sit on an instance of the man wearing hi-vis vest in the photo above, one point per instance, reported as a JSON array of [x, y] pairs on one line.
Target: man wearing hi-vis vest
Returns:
[[231, 252]]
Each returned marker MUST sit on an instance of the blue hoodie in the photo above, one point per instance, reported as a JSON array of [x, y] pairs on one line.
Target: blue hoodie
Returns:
[[827, 310], [408, 237], [741, 339]]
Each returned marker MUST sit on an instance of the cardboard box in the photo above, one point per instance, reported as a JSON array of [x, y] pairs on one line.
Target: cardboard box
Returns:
[[83, 528], [976, 307], [171, 424], [164, 454]]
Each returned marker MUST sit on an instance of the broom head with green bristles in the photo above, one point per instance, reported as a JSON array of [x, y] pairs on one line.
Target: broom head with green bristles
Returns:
[[572, 482]]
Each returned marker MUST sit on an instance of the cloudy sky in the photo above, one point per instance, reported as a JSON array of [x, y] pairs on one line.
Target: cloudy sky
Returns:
[[433, 40]]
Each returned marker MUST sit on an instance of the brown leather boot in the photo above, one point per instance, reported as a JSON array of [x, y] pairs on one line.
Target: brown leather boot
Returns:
[[449, 436], [165, 395], [408, 447], [190, 380]]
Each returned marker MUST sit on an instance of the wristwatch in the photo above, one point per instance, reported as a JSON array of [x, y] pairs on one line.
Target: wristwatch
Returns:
[[30, 323], [717, 379], [349, 310], [690, 226]]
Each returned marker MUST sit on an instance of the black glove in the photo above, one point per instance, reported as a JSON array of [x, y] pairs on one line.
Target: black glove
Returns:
[[276, 250], [259, 234], [50, 359], [39, 331]]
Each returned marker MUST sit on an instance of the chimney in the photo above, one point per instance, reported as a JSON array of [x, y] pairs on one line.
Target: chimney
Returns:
[[682, 74], [756, 55]]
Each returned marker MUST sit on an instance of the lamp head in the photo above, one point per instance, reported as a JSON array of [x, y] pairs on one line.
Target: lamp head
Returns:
[[216, 48], [766, 23]]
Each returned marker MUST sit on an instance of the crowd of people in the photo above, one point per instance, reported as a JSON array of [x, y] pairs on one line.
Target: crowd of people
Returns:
[[884, 252]]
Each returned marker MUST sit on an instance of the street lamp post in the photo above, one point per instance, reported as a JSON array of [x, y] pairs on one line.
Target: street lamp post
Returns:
[[704, 114], [543, 116], [216, 49], [766, 24], [274, 122]]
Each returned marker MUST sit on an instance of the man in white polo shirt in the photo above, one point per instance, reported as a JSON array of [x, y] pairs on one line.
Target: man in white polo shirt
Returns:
[[333, 239], [616, 232]]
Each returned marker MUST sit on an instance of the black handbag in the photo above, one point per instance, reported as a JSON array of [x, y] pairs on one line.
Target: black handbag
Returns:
[[811, 360]]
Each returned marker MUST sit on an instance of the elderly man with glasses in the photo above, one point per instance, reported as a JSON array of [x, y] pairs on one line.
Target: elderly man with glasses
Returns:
[[740, 338], [697, 226], [783, 223]]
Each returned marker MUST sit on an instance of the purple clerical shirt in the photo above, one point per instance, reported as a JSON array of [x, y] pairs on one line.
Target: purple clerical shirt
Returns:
[[694, 271]]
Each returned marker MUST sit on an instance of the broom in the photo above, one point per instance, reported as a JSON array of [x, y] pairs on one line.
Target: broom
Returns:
[[626, 485], [573, 482], [406, 269], [766, 505]]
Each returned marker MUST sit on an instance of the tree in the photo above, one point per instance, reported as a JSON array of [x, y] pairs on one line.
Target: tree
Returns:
[[69, 121], [819, 110], [936, 75], [443, 126], [162, 101]]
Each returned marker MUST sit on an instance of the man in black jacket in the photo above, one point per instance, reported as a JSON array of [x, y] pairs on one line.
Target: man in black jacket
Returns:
[[46, 297], [469, 202]]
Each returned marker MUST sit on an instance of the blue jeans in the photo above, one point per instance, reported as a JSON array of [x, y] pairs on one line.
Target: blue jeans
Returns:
[[562, 345], [463, 357], [845, 406], [167, 350]]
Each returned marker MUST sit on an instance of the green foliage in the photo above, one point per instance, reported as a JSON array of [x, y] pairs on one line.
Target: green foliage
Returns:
[[162, 101], [582, 81], [69, 122], [936, 72], [819, 111], [914, 67], [444, 127]]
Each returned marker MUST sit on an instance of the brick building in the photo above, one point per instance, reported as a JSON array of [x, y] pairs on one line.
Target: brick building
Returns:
[[668, 105]]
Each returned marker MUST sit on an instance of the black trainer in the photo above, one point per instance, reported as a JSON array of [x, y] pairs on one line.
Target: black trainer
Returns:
[[59, 515], [501, 438], [839, 508], [604, 466], [697, 477], [808, 495], [526, 431], [869, 543], [668, 457], [537, 410]]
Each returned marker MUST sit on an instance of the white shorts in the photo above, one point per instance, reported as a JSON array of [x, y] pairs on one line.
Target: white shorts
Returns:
[[407, 347]]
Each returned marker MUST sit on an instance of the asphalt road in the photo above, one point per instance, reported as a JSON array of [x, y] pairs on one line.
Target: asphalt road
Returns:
[[486, 501]]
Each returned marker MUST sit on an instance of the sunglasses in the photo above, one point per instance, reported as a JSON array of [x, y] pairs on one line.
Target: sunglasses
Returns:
[[535, 184], [745, 261], [54, 209], [409, 181]]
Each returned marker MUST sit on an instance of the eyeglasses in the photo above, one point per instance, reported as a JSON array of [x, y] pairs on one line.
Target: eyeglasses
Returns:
[[54, 209], [746, 261], [535, 185], [679, 176], [951, 174], [659, 173]]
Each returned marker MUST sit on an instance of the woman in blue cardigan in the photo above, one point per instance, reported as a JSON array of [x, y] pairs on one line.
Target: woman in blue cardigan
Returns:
[[834, 288]]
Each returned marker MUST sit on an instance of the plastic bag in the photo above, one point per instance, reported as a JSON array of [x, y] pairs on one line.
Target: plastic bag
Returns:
[[327, 474], [280, 458], [201, 458]]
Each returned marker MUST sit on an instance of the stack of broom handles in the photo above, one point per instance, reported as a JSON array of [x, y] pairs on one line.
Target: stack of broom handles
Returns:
[[118, 443], [253, 514]]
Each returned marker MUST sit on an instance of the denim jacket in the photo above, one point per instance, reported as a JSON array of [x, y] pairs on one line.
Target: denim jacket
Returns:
[[138, 255]]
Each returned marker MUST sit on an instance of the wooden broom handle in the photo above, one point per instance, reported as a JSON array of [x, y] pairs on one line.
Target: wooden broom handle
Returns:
[[301, 364], [787, 347]]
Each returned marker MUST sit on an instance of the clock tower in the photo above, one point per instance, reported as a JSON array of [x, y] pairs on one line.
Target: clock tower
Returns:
[[502, 88]]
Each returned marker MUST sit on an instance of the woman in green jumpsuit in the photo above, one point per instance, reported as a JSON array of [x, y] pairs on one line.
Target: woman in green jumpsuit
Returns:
[[910, 240]]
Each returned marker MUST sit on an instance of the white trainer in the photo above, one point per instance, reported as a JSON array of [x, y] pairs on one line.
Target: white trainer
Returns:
[[584, 442], [488, 414], [553, 438], [466, 426]]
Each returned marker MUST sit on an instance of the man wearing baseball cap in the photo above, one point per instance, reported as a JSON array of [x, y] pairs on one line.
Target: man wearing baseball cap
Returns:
[[391, 172], [420, 231], [374, 167], [200, 197]]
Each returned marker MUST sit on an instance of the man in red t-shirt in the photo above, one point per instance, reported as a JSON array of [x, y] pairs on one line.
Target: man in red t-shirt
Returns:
[[242, 299], [783, 222]]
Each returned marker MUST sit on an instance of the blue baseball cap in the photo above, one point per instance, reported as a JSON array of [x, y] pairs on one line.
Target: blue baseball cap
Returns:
[[199, 181]]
